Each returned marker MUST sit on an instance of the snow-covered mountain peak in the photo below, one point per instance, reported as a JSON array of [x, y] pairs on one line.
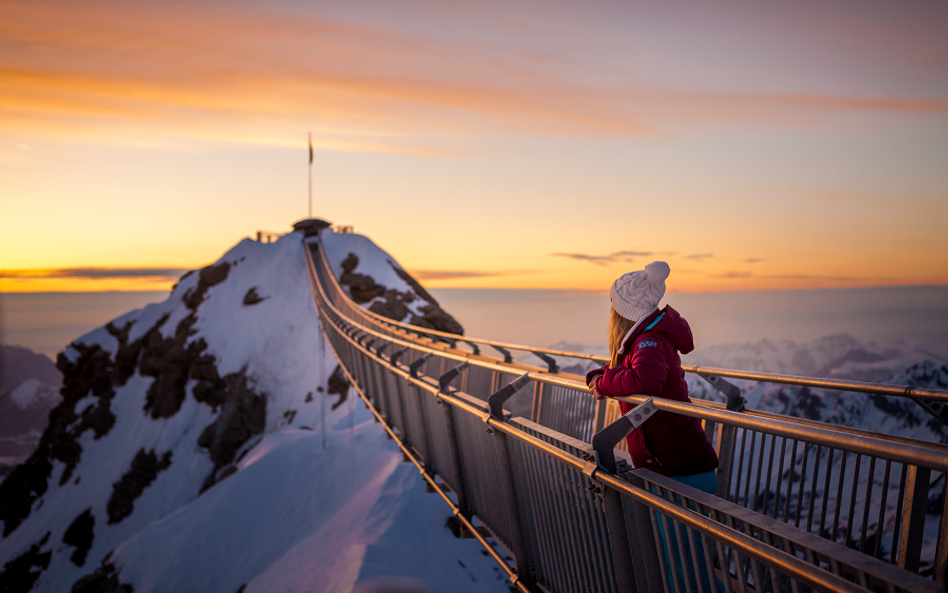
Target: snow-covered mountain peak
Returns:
[[201, 444]]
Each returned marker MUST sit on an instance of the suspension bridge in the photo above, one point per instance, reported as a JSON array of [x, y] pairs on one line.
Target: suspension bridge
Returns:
[[535, 469]]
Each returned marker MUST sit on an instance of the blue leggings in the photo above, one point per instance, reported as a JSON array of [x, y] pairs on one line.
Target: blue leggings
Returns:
[[706, 482]]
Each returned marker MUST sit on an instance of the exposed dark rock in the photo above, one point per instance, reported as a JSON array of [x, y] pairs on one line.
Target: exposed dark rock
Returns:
[[208, 277], [362, 288], [310, 226], [20, 574], [103, 580], [309, 397], [350, 263], [144, 470], [168, 360], [23, 486], [338, 385], [289, 416], [252, 298], [454, 525], [434, 317], [243, 415], [79, 535], [210, 388], [126, 355], [394, 306]]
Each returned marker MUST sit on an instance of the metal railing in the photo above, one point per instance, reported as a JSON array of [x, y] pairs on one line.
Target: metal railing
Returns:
[[512, 452]]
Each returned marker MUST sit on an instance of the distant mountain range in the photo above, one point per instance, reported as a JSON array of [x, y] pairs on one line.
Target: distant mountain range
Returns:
[[838, 356], [29, 389]]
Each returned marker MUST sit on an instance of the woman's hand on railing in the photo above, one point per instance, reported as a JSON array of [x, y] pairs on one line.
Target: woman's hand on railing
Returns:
[[593, 390]]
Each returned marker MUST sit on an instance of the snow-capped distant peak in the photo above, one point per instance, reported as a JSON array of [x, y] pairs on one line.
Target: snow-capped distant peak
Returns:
[[32, 392]]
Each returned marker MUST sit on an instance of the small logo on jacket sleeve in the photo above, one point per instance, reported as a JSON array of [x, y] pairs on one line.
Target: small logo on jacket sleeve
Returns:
[[646, 344]]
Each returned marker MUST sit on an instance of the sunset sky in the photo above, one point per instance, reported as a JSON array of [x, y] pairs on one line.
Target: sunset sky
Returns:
[[484, 144]]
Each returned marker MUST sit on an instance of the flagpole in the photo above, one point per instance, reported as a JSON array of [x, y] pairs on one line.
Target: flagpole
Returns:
[[310, 135]]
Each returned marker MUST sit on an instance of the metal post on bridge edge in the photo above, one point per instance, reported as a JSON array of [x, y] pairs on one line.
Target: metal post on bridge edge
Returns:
[[512, 500], [629, 524]]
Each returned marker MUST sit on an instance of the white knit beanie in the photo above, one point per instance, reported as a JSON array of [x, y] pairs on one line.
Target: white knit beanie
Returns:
[[636, 295]]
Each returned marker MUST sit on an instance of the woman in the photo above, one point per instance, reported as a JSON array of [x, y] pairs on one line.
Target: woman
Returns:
[[644, 345]]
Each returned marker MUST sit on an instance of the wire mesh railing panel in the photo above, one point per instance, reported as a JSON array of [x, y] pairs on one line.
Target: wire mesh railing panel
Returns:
[[441, 459], [483, 481], [480, 382], [691, 561], [567, 410], [570, 536], [851, 498]]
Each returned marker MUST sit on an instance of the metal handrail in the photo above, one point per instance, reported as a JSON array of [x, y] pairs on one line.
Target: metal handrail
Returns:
[[853, 386], [718, 527], [932, 455]]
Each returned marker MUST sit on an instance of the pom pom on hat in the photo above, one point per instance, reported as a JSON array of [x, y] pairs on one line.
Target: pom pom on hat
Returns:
[[636, 295]]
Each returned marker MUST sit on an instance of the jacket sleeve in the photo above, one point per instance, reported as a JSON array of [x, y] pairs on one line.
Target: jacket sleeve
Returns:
[[595, 373], [644, 372]]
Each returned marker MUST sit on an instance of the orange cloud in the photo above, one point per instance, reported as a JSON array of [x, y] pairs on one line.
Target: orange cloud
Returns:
[[181, 70]]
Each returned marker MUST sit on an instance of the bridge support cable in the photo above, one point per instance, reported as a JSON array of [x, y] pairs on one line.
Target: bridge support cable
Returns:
[[751, 536]]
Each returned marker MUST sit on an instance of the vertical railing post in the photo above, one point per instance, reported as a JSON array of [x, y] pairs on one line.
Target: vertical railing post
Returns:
[[941, 547], [602, 406], [451, 430], [913, 517], [604, 443], [726, 459], [512, 506], [512, 500], [647, 567]]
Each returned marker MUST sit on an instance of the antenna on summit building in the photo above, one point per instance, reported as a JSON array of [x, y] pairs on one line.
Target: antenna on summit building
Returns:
[[310, 136]]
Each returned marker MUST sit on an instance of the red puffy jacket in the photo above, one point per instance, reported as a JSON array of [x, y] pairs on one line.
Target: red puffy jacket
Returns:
[[667, 443]]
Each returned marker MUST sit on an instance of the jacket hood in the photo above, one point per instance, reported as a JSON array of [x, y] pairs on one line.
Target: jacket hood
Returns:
[[668, 322]]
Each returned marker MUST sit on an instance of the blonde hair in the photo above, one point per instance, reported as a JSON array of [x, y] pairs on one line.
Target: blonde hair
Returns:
[[619, 326]]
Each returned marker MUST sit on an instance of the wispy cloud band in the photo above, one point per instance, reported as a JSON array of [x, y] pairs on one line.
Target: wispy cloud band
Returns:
[[94, 273], [602, 260]]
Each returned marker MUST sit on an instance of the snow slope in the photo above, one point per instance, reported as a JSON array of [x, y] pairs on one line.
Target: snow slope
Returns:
[[187, 454]]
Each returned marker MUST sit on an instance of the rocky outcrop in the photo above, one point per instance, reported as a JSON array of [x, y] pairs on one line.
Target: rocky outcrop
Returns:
[[338, 384], [252, 298], [19, 574], [79, 535], [144, 470], [103, 580], [243, 415], [434, 317], [169, 360], [393, 303], [362, 288]]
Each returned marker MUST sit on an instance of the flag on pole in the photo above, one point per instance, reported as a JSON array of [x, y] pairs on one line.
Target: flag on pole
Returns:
[[310, 148]]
